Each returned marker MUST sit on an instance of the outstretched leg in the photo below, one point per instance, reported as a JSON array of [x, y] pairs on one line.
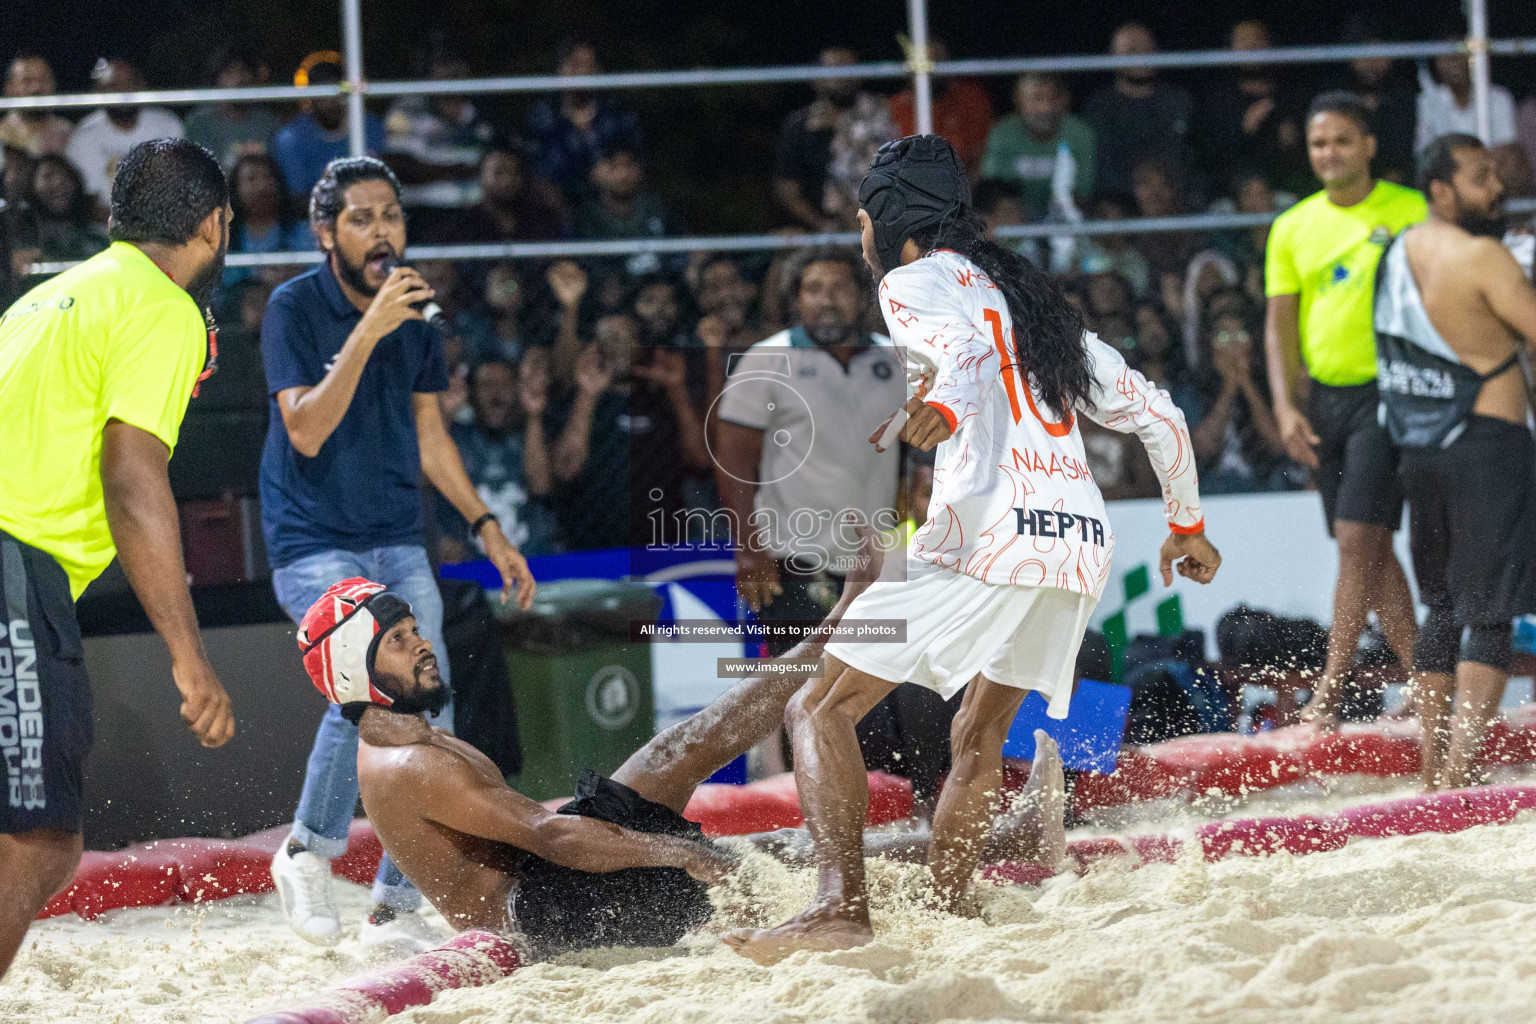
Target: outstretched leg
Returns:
[[670, 767], [834, 796], [1031, 830], [971, 794]]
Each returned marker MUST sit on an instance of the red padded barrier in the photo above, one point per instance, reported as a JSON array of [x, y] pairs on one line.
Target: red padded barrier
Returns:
[[1305, 833], [128, 878], [774, 803], [1231, 764], [361, 860], [1302, 834], [1381, 749], [211, 869], [466, 960], [1432, 812], [1136, 777]]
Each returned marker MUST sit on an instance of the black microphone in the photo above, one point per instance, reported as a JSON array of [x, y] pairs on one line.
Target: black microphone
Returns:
[[429, 310]]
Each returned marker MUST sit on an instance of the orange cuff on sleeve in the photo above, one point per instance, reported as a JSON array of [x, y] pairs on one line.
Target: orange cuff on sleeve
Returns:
[[1187, 531], [949, 417]]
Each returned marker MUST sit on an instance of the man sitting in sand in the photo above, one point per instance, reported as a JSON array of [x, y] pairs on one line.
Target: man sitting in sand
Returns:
[[619, 864]]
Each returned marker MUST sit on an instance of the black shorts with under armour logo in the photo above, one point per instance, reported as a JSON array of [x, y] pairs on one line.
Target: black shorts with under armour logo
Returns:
[[45, 696]]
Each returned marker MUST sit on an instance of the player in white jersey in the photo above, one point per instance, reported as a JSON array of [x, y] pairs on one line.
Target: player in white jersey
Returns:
[[1004, 575]]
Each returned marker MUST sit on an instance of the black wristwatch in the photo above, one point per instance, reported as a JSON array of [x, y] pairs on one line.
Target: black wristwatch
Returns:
[[489, 517]]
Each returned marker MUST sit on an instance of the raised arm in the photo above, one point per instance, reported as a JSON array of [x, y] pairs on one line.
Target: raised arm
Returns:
[[1125, 401], [311, 414]]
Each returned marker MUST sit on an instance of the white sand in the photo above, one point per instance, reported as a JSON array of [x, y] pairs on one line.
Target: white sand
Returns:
[[1420, 929], [221, 961]]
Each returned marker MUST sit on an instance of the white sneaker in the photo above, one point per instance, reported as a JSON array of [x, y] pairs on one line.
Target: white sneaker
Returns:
[[408, 932], [303, 883]]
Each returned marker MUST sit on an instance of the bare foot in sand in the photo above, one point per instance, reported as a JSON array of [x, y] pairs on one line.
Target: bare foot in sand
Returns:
[[1033, 829], [816, 930]]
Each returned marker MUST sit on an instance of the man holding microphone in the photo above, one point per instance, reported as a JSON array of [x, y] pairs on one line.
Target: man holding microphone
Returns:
[[354, 369]]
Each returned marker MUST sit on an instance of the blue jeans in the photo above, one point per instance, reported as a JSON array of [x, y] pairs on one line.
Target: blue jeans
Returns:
[[330, 782]]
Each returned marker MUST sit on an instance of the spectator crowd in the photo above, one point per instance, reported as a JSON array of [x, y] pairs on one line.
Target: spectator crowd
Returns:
[[576, 384]]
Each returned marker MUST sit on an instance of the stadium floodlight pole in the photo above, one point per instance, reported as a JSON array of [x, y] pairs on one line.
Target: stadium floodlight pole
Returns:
[[922, 65], [1477, 47], [352, 47]]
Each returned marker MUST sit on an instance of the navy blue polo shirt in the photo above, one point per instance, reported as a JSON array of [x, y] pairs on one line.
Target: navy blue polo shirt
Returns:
[[362, 490]]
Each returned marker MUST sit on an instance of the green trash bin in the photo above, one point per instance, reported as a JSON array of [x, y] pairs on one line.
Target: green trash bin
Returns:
[[583, 689]]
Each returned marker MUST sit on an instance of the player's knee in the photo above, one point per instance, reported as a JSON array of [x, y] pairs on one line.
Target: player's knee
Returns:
[[1488, 644], [1360, 544], [45, 868], [1435, 648], [809, 704], [971, 734]]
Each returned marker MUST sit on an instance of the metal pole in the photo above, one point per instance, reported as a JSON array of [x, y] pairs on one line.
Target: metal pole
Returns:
[[922, 65], [1477, 46], [352, 50]]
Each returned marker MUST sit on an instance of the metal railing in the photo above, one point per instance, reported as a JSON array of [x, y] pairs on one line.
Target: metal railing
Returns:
[[757, 243], [356, 88]]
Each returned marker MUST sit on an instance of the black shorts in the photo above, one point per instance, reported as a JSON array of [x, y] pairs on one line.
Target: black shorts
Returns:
[[1472, 522], [1357, 461], [45, 697], [561, 909]]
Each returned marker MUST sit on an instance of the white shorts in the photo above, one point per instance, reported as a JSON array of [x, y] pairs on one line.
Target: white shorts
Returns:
[[958, 626]]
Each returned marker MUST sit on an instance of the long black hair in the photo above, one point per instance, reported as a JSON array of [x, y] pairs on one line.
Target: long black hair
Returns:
[[1048, 330]]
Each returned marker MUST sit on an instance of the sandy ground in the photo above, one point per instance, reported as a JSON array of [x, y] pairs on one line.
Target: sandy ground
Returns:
[[1420, 929], [221, 961]]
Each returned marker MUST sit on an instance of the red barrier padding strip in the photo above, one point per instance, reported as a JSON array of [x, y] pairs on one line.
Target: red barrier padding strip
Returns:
[[195, 870], [467, 960], [1235, 765], [1446, 812]]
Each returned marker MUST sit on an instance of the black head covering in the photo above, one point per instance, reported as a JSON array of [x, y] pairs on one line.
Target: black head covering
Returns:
[[914, 183]]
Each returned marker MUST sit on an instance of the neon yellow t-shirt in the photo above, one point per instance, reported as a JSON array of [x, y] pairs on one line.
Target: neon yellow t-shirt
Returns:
[[1327, 254], [113, 338]]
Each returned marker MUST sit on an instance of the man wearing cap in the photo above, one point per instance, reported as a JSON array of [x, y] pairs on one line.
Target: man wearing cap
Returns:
[[353, 369], [617, 866], [1002, 578]]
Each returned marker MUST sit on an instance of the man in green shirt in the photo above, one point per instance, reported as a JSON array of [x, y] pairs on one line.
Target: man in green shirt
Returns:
[[1320, 276], [96, 367], [1023, 147]]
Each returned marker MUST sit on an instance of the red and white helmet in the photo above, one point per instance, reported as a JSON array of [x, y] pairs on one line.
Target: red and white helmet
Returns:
[[338, 635]]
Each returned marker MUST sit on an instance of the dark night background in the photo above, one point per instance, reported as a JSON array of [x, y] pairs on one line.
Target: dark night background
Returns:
[[709, 148]]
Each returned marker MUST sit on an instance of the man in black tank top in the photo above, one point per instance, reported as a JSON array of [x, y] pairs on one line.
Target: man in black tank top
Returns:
[[1451, 315]]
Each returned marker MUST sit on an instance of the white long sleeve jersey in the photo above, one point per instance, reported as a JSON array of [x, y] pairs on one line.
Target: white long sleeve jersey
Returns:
[[1013, 499]]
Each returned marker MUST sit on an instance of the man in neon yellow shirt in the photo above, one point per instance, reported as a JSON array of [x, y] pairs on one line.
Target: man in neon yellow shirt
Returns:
[[96, 367], [1320, 276]]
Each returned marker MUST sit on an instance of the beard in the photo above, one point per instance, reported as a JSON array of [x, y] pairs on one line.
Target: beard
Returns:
[[355, 275], [830, 334], [205, 284], [1486, 223], [422, 698]]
